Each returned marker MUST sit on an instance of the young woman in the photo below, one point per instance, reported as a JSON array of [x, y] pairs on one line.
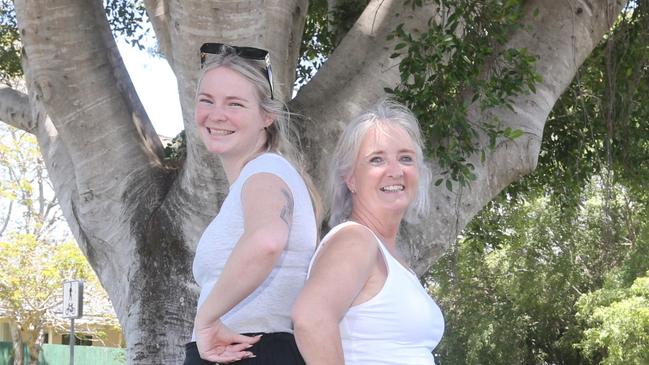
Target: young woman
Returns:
[[252, 259], [361, 303]]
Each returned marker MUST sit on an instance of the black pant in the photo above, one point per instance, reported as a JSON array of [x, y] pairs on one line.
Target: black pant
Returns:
[[272, 349]]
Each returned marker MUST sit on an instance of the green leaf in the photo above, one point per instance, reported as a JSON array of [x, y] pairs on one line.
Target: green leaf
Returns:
[[515, 133]]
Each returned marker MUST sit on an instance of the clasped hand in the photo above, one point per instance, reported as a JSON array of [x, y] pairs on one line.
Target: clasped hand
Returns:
[[218, 343]]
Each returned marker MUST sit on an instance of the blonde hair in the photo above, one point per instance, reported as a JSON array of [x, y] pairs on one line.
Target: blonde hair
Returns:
[[278, 133], [385, 113]]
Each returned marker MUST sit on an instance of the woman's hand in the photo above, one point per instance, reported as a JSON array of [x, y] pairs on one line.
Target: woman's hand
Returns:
[[267, 208], [218, 343]]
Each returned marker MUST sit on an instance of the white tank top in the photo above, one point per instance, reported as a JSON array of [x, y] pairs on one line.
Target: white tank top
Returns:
[[268, 308], [400, 325]]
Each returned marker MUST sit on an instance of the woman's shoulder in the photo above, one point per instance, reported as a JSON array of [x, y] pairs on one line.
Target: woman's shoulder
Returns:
[[270, 158], [271, 163], [346, 243], [350, 233]]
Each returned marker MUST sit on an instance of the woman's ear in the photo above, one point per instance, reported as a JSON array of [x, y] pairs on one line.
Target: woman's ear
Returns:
[[268, 119], [350, 181]]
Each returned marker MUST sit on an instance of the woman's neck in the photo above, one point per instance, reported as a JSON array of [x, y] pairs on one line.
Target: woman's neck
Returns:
[[233, 166], [385, 226]]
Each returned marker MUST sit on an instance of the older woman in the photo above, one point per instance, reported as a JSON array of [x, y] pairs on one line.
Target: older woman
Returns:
[[362, 304]]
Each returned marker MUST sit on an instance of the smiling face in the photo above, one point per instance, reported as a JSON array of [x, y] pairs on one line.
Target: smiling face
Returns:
[[385, 177], [229, 116]]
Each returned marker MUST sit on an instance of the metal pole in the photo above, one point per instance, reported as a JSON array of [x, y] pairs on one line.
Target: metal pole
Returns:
[[72, 340]]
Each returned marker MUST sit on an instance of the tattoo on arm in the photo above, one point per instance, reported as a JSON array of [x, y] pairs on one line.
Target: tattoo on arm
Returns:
[[287, 210]]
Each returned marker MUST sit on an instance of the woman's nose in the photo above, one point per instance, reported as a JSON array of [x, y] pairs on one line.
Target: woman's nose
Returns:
[[216, 114], [394, 169]]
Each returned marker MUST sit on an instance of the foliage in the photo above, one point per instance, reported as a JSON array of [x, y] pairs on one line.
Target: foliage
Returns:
[[176, 149], [126, 19], [552, 271], [9, 44], [442, 67], [509, 289], [33, 272], [618, 323], [317, 42], [28, 200]]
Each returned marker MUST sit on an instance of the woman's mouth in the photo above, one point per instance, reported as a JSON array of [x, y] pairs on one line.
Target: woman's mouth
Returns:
[[218, 132]]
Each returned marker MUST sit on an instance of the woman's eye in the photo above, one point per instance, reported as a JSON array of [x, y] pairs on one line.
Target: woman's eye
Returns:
[[205, 101], [407, 159], [376, 160], [236, 104]]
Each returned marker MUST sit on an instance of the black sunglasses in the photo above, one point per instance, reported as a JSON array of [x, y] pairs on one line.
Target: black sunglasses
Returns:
[[250, 53]]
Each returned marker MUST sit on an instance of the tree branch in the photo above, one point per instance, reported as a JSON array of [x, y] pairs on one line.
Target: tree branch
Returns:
[[561, 35], [41, 192], [158, 12], [98, 87], [15, 110], [7, 218], [96, 117]]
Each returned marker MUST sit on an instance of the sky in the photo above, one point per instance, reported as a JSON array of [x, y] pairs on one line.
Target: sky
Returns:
[[156, 86]]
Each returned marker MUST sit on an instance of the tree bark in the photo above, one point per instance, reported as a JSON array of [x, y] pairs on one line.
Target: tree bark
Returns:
[[138, 221], [17, 339], [34, 344], [15, 109]]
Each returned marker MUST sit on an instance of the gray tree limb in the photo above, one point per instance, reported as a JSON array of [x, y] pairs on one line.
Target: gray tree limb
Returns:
[[15, 109]]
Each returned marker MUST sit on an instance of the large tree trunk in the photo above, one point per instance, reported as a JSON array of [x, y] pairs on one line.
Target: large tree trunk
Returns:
[[138, 221]]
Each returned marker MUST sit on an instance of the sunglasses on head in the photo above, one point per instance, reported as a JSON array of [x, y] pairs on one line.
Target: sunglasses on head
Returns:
[[250, 53]]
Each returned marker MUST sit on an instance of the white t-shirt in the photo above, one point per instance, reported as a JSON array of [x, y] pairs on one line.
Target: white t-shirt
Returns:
[[268, 308], [400, 325]]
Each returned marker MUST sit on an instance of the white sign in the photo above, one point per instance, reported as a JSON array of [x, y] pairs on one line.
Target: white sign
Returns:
[[73, 299]]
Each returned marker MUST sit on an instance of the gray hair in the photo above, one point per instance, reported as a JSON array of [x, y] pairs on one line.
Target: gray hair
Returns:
[[279, 132], [386, 113]]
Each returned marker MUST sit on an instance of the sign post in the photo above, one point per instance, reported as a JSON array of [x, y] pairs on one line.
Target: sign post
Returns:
[[72, 308]]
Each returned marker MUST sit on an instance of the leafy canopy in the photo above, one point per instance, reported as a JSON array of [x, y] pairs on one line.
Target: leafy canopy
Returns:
[[553, 270]]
